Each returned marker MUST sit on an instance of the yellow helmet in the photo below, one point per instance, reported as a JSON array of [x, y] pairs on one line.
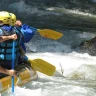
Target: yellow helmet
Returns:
[[5, 17], [13, 19]]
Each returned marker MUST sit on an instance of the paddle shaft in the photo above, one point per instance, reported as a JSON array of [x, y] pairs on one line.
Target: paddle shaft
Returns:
[[13, 49]]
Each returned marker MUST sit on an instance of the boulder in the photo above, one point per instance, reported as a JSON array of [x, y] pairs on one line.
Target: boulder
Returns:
[[89, 46]]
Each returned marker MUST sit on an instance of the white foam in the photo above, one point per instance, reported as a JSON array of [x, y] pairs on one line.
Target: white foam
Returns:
[[70, 63]]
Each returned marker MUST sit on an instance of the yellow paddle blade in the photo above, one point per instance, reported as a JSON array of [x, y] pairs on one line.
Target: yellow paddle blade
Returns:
[[50, 34], [43, 66]]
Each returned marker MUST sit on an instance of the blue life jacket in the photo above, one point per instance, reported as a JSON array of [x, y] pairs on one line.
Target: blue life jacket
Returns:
[[6, 46], [27, 34]]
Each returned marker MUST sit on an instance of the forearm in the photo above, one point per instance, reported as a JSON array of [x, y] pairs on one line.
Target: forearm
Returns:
[[6, 71], [3, 70], [4, 38]]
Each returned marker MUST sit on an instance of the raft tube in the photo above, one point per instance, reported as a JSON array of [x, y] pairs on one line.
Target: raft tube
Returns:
[[25, 76]]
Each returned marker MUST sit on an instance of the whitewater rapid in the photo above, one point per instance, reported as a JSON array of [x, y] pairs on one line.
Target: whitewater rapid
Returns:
[[74, 71]]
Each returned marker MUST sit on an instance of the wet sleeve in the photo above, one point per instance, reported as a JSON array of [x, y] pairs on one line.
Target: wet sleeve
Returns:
[[28, 32]]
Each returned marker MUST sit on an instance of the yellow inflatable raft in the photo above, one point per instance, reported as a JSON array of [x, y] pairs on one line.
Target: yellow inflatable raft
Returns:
[[25, 75], [27, 72]]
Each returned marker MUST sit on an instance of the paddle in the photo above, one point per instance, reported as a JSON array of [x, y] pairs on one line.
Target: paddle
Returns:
[[50, 34], [43, 66], [13, 49]]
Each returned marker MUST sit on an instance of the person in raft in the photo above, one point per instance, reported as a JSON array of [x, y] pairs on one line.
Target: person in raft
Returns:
[[26, 33], [8, 34]]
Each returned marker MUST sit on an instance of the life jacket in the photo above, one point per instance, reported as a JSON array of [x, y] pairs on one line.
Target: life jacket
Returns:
[[6, 46]]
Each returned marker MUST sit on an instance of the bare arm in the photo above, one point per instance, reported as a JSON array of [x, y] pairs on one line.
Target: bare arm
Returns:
[[9, 72], [4, 38], [3, 70]]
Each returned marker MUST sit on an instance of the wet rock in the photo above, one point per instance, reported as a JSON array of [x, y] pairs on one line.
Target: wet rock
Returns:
[[89, 46]]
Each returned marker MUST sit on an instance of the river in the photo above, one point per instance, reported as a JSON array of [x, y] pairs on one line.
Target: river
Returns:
[[75, 70]]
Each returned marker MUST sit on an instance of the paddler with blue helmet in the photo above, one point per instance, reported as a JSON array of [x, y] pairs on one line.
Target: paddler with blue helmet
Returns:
[[7, 35]]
